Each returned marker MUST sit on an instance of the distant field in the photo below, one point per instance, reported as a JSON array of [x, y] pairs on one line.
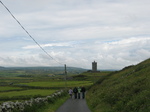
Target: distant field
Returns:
[[37, 71], [8, 80], [31, 92], [58, 83], [24, 88], [30, 89], [7, 88]]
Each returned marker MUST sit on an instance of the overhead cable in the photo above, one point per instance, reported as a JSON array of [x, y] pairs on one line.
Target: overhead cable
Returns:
[[29, 34]]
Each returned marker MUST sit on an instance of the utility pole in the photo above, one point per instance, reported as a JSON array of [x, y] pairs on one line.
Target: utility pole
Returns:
[[65, 77]]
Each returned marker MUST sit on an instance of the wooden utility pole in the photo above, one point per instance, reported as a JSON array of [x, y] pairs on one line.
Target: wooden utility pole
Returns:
[[65, 77]]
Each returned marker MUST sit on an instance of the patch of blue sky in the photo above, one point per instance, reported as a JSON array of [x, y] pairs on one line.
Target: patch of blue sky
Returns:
[[111, 41], [108, 41]]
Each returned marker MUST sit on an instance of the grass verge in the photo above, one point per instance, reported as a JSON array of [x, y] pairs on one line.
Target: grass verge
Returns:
[[127, 90], [55, 105]]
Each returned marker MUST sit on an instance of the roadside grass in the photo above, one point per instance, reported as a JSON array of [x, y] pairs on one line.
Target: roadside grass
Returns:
[[127, 90], [55, 105]]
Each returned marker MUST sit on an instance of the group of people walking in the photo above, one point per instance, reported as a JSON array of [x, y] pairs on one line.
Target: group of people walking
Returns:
[[78, 92]]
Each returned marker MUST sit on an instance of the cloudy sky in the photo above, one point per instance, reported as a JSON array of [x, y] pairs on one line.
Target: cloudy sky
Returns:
[[114, 33]]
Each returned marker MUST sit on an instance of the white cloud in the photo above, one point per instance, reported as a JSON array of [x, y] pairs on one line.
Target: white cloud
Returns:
[[55, 44], [113, 33]]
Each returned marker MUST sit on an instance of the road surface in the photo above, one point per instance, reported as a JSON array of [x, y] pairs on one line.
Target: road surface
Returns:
[[74, 105]]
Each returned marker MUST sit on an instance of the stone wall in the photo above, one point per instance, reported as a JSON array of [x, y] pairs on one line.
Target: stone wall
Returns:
[[20, 106]]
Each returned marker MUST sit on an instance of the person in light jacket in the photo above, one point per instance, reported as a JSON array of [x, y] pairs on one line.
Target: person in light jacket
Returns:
[[70, 92], [79, 91]]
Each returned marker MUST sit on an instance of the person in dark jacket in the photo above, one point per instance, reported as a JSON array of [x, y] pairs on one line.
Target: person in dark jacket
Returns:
[[83, 92], [75, 91]]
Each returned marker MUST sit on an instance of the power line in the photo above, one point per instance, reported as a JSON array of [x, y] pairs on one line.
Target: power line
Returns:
[[29, 34]]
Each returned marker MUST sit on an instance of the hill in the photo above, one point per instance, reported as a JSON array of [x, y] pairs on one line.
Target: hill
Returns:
[[38, 71], [127, 90], [2, 67]]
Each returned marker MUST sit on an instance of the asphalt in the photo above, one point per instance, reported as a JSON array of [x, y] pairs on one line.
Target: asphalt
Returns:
[[74, 105]]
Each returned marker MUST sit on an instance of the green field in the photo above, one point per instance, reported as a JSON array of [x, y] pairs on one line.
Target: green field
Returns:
[[8, 88], [23, 91], [31, 92], [57, 84], [24, 88]]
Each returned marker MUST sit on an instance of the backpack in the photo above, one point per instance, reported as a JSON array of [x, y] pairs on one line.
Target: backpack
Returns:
[[75, 90]]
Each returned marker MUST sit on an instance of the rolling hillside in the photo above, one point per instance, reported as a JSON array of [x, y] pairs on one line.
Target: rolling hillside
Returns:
[[127, 90], [38, 71]]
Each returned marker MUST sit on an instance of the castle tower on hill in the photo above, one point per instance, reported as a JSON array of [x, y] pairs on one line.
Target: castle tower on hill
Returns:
[[94, 66]]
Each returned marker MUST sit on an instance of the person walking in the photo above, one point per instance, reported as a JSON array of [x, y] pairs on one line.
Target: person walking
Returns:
[[79, 91], [83, 92], [70, 92], [75, 91]]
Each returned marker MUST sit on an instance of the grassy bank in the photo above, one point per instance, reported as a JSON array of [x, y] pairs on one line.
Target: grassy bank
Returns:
[[55, 105], [127, 90]]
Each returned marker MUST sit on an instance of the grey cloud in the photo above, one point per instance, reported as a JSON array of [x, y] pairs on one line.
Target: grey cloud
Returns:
[[113, 33]]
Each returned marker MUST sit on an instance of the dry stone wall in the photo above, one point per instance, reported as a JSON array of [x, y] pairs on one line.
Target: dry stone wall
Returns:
[[20, 106]]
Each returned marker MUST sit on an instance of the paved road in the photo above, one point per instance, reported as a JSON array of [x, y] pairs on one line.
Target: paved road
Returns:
[[74, 105]]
